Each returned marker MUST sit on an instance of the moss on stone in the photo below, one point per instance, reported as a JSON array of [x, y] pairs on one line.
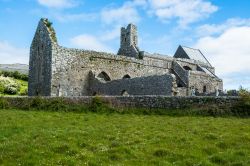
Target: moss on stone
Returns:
[[51, 29]]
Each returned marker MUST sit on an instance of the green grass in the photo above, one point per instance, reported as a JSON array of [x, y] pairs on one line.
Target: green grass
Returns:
[[69, 138]]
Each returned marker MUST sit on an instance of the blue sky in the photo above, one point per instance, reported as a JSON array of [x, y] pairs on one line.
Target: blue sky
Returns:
[[220, 29]]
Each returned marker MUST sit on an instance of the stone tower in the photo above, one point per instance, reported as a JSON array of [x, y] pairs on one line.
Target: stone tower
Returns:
[[129, 42]]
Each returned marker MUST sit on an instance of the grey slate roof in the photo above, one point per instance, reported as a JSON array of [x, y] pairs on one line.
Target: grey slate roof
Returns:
[[208, 72], [191, 53]]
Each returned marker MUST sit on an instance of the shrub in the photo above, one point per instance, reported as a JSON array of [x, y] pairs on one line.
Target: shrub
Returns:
[[11, 88], [10, 85], [15, 74], [245, 95], [242, 108]]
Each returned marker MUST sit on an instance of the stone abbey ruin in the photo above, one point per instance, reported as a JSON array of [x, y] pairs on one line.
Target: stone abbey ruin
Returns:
[[58, 71]]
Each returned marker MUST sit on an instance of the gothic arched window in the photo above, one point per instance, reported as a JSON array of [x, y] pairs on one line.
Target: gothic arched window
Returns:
[[104, 76]]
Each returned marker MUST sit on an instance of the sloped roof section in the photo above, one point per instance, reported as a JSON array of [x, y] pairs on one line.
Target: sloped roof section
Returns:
[[208, 72], [191, 53]]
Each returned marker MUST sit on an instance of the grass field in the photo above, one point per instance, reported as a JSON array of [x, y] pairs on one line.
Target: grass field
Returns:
[[68, 138]]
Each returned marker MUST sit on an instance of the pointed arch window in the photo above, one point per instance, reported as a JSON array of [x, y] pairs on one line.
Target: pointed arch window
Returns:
[[104, 76]]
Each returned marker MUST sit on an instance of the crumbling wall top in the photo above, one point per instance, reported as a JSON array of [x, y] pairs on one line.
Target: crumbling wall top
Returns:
[[50, 29]]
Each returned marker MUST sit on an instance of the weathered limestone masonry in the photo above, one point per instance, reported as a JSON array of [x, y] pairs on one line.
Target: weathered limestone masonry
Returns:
[[41, 60], [129, 42], [140, 86], [145, 101], [60, 71]]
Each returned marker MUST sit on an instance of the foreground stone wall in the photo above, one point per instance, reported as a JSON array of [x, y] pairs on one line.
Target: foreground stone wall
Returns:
[[170, 102], [162, 102]]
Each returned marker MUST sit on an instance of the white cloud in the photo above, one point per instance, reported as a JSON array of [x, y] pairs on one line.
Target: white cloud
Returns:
[[10, 54], [121, 15], [58, 3], [229, 52], [116, 17], [142, 3], [186, 11], [89, 42], [111, 34], [215, 29]]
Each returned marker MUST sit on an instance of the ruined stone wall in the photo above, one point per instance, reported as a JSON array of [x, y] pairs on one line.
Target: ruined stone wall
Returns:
[[182, 91], [40, 62], [71, 68], [193, 64], [156, 61], [151, 85], [200, 79], [181, 73], [59, 71]]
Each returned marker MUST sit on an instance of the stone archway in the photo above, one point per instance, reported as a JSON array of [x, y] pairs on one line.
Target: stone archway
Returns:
[[124, 93], [104, 76]]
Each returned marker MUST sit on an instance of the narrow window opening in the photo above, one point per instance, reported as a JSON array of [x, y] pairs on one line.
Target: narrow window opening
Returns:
[[204, 89], [104, 76]]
